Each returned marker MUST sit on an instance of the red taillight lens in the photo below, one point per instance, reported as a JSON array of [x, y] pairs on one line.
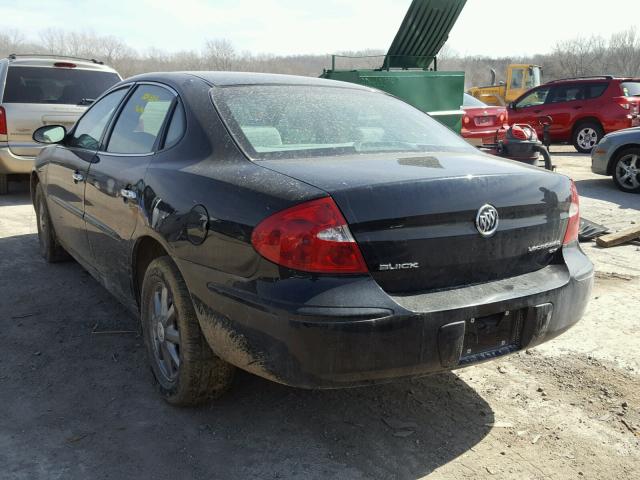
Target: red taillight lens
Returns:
[[623, 102], [312, 237], [571, 235], [3, 121], [466, 119]]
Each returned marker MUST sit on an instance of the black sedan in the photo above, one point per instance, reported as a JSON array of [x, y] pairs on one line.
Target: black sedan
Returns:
[[316, 233]]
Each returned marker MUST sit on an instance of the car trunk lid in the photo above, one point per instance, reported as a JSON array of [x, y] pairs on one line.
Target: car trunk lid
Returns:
[[414, 215], [24, 118]]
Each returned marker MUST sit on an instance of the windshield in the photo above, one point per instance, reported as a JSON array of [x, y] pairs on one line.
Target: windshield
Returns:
[[55, 85], [630, 89], [284, 121]]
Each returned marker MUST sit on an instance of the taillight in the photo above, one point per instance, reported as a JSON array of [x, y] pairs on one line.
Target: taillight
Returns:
[[311, 237], [65, 65], [623, 102], [502, 118], [3, 121], [466, 119], [571, 235]]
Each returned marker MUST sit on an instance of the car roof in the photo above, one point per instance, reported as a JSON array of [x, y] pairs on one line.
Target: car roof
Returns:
[[34, 60], [595, 79], [226, 79]]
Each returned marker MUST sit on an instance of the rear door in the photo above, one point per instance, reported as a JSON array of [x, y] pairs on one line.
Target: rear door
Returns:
[[36, 96], [67, 170], [564, 104], [115, 183]]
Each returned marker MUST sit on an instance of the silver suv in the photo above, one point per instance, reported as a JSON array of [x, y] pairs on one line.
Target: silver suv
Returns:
[[38, 90]]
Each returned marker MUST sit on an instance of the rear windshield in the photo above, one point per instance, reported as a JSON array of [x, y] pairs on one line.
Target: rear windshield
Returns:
[[282, 121], [630, 89], [469, 101], [55, 85]]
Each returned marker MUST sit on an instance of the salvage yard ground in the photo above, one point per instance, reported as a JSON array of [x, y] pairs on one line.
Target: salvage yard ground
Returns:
[[77, 401]]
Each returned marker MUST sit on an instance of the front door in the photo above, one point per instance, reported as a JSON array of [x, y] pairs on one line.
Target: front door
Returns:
[[529, 108], [67, 173], [116, 181]]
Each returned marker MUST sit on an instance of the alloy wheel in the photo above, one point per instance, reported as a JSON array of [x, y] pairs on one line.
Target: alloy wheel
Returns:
[[628, 171], [165, 335], [587, 138]]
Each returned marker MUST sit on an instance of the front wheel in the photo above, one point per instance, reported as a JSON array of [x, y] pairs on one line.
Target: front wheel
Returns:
[[187, 371], [626, 170], [586, 136]]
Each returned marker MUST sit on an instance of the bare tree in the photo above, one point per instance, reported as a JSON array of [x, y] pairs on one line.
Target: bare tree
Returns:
[[219, 54]]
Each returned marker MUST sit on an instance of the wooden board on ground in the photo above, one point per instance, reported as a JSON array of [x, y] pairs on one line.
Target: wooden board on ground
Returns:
[[619, 238]]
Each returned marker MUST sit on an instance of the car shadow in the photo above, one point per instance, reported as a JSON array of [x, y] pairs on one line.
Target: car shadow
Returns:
[[18, 191], [78, 401], [604, 189]]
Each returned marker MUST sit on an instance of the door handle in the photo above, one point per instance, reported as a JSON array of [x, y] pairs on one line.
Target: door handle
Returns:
[[537, 111], [77, 177], [577, 107], [128, 194]]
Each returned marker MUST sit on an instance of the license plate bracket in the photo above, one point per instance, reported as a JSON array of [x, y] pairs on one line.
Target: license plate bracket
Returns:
[[492, 335]]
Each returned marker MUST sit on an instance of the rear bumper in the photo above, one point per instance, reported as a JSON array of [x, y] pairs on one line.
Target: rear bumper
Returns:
[[348, 334], [480, 137], [11, 163]]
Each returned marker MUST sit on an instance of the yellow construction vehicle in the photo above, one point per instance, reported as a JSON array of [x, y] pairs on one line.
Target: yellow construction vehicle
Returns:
[[520, 78]]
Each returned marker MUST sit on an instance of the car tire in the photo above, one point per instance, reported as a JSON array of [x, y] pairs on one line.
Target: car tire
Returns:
[[187, 371], [4, 184], [50, 249], [586, 135], [626, 170]]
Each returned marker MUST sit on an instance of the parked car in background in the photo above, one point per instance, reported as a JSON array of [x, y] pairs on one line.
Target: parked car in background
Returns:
[[618, 155], [38, 90], [582, 110], [253, 221], [481, 121]]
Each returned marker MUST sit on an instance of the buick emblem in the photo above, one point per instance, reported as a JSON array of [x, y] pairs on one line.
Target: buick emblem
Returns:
[[487, 220]]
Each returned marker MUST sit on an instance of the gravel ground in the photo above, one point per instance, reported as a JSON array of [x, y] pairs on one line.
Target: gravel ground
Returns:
[[77, 400]]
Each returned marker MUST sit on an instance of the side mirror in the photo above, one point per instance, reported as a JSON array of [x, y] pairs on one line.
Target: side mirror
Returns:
[[50, 134], [512, 106]]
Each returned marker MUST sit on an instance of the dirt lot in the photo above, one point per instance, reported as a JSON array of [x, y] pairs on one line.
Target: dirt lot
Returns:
[[77, 401]]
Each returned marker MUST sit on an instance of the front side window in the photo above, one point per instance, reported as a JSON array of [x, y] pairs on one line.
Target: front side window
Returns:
[[89, 129], [287, 121], [140, 120], [56, 85], [537, 97]]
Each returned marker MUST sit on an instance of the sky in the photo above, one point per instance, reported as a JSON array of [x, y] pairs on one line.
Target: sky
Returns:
[[485, 27]]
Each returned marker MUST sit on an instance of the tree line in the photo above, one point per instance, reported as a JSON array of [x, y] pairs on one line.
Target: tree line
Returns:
[[582, 56]]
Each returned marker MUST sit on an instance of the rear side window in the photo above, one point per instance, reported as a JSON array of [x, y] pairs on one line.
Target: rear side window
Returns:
[[53, 85], [89, 129], [176, 127], [566, 93], [595, 90], [140, 120], [630, 89]]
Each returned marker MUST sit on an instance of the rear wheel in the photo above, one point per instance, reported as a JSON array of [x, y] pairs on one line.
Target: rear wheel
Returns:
[[186, 369], [626, 170], [50, 249], [4, 184], [586, 136]]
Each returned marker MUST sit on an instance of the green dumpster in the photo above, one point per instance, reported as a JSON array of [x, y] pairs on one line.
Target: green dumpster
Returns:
[[409, 69]]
